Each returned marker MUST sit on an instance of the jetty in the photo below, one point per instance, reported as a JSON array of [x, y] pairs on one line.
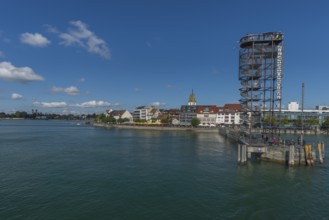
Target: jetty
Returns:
[[281, 151]]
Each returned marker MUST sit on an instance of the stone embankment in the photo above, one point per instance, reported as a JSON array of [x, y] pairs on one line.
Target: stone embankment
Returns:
[[157, 127]]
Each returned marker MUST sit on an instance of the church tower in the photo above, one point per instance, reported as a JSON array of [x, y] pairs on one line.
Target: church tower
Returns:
[[192, 100]]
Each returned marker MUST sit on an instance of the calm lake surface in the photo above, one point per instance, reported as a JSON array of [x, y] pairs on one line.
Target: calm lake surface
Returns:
[[59, 170]]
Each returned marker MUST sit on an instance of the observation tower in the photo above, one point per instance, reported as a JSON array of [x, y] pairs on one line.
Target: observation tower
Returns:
[[260, 74]]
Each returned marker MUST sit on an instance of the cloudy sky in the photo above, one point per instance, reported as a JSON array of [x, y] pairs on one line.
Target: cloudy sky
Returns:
[[86, 56]]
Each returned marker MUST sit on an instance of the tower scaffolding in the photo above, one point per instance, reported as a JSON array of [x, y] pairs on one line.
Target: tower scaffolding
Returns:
[[260, 75]]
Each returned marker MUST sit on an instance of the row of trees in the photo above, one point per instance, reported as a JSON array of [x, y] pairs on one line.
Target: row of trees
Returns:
[[39, 115], [102, 118], [309, 122]]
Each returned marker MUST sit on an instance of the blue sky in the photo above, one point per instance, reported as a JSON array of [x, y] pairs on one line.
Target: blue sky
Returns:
[[70, 56]]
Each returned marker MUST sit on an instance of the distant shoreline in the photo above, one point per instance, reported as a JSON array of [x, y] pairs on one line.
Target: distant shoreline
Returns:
[[157, 128]]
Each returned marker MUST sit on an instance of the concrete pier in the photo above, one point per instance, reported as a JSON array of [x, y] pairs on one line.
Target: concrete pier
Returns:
[[242, 153], [288, 154]]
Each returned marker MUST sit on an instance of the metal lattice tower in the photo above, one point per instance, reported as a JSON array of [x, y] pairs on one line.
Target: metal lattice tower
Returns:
[[260, 74]]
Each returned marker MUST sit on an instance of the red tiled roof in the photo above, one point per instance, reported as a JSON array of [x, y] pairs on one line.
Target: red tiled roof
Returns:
[[117, 113], [235, 107], [212, 109]]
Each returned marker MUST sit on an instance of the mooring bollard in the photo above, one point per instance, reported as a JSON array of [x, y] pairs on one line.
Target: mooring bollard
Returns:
[[243, 153], [308, 154], [320, 152], [323, 150], [239, 153]]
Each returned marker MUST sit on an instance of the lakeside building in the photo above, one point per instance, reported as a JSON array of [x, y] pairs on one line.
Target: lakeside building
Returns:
[[189, 111], [143, 113], [322, 107], [171, 115], [119, 114], [293, 106], [311, 117], [292, 117], [229, 114], [207, 114], [186, 114], [147, 113]]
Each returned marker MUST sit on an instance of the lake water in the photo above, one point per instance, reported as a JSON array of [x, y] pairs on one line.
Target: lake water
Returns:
[[59, 170]]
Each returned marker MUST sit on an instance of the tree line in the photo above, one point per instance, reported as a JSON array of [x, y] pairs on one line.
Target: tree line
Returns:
[[48, 116]]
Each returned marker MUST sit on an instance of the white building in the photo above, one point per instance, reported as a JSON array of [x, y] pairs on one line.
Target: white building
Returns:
[[145, 113], [293, 106], [229, 114], [119, 114], [207, 114]]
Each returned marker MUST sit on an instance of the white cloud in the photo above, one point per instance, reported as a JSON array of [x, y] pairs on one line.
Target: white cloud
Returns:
[[51, 29], [93, 103], [16, 96], [158, 103], [34, 39], [72, 90], [80, 35], [50, 104], [20, 74]]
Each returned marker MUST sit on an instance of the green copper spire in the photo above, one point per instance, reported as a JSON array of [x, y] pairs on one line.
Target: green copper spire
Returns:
[[192, 99]]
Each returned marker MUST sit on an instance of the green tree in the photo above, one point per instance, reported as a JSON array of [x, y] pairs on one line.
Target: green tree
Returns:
[[19, 114], [137, 120], [270, 120], [297, 122], [165, 121], [325, 124], [195, 122], [313, 121], [109, 119], [100, 118], [122, 120], [285, 121]]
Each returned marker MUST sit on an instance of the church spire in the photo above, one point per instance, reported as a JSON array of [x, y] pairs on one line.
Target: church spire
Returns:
[[192, 99]]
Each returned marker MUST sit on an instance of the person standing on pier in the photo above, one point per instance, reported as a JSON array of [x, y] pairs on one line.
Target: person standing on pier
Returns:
[[274, 140]]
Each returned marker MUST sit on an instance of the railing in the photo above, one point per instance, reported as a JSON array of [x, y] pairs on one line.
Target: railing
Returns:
[[262, 37]]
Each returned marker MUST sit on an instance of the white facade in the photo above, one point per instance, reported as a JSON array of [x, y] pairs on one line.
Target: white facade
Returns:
[[119, 114], [293, 106], [126, 114], [207, 119], [143, 113], [232, 118]]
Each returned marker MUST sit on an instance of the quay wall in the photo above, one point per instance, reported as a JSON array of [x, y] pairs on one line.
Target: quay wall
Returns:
[[281, 153], [157, 128]]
